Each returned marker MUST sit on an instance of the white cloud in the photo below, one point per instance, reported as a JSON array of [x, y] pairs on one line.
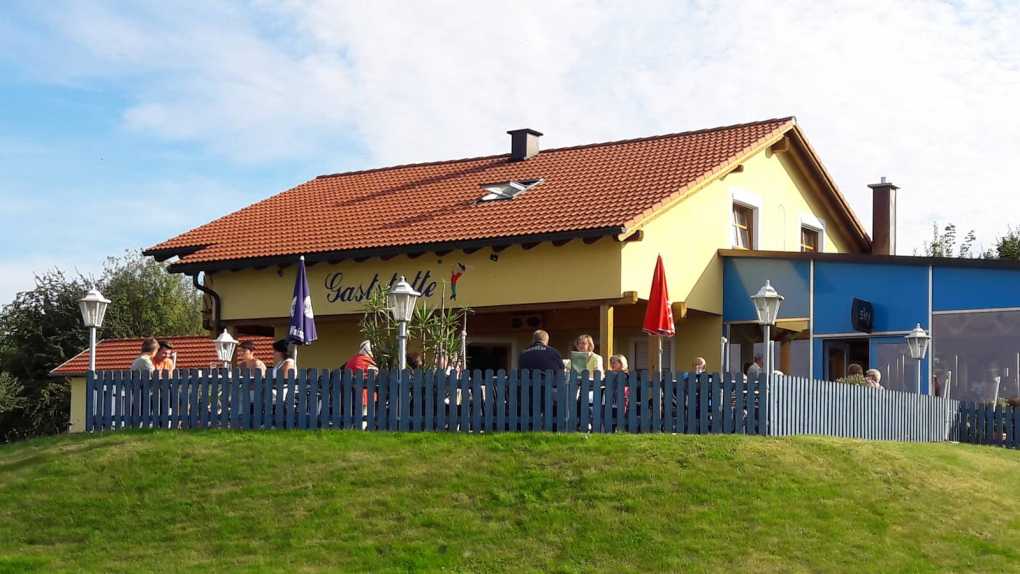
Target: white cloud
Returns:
[[141, 216], [921, 92]]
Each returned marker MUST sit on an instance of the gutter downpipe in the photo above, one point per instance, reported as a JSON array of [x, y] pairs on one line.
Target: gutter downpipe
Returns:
[[215, 298]]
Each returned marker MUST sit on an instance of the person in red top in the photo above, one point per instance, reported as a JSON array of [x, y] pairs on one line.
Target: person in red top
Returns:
[[362, 361]]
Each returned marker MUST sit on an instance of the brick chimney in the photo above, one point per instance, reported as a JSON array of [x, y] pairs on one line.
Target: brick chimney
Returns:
[[883, 218], [523, 144]]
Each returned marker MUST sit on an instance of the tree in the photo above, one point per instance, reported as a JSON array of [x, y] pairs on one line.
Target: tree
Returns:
[[433, 331], [42, 328], [148, 300], [1008, 246], [944, 244]]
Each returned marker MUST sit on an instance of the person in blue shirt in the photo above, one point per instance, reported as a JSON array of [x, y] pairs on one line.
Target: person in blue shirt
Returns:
[[540, 356]]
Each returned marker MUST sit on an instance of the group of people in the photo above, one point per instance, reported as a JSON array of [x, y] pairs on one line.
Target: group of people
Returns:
[[541, 357], [158, 355], [856, 375]]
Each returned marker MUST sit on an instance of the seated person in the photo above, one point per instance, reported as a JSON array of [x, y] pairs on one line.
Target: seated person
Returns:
[[583, 357], [540, 356], [854, 375], [144, 363], [873, 378], [246, 358], [283, 364], [166, 357]]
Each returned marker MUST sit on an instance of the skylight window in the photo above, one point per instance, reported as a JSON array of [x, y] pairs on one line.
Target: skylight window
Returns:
[[507, 190]]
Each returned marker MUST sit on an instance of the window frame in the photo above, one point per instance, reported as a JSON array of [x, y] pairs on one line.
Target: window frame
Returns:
[[743, 213], [804, 246], [810, 222], [749, 201]]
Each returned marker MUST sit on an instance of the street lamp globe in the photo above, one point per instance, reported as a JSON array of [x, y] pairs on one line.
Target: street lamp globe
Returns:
[[225, 345], [401, 300], [766, 304], [93, 308], [917, 342]]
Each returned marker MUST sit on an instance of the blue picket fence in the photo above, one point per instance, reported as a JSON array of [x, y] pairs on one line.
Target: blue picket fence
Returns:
[[983, 423], [521, 401], [428, 401]]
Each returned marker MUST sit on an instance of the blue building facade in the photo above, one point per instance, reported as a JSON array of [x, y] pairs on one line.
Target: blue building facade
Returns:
[[971, 308]]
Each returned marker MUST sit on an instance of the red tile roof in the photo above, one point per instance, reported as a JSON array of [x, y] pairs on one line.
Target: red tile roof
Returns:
[[192, 353], [599, 188]]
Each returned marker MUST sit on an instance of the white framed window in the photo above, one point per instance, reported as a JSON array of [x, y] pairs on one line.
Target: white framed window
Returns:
[[812, 234], [746, 219], [507, 190]]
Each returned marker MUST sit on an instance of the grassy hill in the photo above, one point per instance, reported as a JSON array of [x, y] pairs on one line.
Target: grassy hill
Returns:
[[306, 501]]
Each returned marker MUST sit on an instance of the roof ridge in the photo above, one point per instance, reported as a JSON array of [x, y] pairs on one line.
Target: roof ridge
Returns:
[[784, 119]]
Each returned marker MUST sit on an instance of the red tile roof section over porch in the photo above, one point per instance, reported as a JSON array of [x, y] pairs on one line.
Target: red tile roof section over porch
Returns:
[[192, 353]]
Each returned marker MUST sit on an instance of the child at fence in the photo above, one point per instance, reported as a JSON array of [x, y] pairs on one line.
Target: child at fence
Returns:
[[618, 364]]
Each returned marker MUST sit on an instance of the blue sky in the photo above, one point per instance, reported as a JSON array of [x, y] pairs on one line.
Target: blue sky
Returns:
[[124, 123]]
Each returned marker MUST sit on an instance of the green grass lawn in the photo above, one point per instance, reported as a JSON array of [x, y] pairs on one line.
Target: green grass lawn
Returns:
[[220, 501]]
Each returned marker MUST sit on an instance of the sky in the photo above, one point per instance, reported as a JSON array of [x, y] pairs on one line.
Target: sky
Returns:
[[125, 123]]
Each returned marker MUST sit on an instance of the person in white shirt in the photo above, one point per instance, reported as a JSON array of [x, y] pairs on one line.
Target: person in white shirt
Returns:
[[143, 363]]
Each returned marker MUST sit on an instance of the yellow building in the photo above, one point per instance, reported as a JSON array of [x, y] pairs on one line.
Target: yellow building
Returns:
[[563, 239]]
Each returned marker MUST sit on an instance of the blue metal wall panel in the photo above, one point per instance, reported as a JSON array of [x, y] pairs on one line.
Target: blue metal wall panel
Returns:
[[743, 277], [958, 288], [899, 294]]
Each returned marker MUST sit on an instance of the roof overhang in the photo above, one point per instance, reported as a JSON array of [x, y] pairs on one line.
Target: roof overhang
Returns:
[[620, 233], [806, 158]]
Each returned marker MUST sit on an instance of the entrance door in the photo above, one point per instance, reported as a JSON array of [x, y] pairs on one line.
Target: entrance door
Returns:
[[484, 356], [841, 353]]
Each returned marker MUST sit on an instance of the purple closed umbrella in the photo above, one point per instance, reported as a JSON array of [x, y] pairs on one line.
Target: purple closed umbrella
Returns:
[[302, 320]]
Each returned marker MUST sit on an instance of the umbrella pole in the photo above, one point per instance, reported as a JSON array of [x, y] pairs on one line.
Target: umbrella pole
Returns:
[[658, 344]]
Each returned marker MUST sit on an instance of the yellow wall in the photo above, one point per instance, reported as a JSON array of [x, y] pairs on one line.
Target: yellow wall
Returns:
[[77, 405], [338, 341], [573, 272], [689, 235]]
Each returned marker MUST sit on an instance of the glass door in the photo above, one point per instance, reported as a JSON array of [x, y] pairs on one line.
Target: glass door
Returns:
[[899, 371]]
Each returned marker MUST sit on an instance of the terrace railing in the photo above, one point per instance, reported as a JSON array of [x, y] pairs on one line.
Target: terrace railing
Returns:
[[521, 401]]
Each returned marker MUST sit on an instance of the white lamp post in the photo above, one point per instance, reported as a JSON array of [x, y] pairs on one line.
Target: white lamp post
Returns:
[[225, 345], [917, 344], [766, 305], [401, 302], [93, 310]]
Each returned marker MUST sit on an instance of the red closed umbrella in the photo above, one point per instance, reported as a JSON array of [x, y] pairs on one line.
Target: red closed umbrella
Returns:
[[659, 314]]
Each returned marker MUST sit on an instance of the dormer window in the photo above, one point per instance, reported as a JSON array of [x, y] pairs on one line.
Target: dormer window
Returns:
[[507, 190]]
